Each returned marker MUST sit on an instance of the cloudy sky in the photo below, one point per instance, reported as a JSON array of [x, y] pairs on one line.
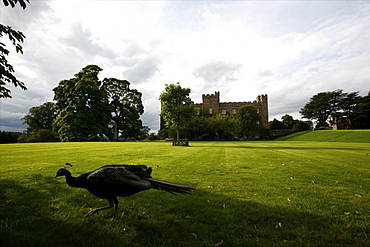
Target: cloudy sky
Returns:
[[289, 50]]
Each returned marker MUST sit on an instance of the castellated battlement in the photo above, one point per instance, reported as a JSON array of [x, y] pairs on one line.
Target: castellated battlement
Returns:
[[216, 94], [242, 102]]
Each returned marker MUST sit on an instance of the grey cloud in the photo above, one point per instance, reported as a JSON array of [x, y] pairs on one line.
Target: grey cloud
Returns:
[[83, 40], [134, 52], [133, 49], [314, 69], [20, 19], [144, 69], [217, 71], [11, 122], [265, 73], [12, 110], [151, 119]]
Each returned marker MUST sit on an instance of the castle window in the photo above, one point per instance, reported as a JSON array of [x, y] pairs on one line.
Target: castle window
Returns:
[[210, 110], [224, 111], [233, 111]]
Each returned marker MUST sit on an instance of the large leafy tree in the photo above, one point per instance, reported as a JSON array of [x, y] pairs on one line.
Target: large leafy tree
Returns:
[[361, 119], [177, 109], [250, 121], [349, 107], [83, 106], [41, 117], [197, 127], [323, 106], [225, 126], [276, 124], [126, 108], [288, 121], [16, 37]]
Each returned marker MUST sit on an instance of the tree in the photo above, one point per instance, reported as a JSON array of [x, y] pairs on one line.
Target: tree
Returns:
[[41, 117], [346, 109], [225, 127], [6, 69], [197, 127], [361, 119], [276, 124], [288, 121], [349, 107], [177, 108], [126, 107], [44, 135], [84, 112], [323, 106], [301, 126], [9, 137], [250, 121]]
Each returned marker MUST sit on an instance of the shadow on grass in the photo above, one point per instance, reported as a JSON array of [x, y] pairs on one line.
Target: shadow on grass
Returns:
[[46, 212]]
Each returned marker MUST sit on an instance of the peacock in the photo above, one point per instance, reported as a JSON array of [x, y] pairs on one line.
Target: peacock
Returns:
[[110, 181]]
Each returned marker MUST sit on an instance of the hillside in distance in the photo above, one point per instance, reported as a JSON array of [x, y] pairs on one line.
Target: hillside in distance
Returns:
[[329, 136]]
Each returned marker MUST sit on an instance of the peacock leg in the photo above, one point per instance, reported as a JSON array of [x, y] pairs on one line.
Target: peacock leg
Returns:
[[115, 202], [111, 204]]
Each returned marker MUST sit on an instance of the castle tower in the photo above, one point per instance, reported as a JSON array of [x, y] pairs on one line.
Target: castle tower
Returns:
[[264, 110], [212, 101]]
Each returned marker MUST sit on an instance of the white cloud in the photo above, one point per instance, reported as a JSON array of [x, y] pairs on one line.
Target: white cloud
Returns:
[[144, 69], [217, 71]]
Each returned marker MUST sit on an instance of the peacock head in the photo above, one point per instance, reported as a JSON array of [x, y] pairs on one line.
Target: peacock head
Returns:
[[63, 171]]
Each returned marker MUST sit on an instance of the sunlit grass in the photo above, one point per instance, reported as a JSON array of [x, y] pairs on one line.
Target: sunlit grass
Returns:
[[248, 194]]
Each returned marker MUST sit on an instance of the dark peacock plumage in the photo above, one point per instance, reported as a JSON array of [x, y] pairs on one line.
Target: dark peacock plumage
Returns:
[[111, 181]]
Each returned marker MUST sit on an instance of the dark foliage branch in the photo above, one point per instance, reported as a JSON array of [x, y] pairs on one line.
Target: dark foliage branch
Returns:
[[6, 69], [12, 3]]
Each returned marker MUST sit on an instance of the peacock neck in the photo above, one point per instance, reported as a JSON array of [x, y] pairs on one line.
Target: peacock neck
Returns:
[[73, 181]]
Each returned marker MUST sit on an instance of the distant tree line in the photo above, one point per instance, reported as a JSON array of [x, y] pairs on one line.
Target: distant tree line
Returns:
[[88, 109], [289, 123], [9, 137], [336, 108]]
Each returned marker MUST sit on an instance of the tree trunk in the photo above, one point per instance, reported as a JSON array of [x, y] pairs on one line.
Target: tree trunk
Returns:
[[115, 132]]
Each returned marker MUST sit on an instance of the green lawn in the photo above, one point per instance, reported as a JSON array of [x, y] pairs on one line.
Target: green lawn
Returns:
[[260, 193]]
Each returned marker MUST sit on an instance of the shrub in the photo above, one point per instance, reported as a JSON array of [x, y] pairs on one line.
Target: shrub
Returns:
[[44, 135]]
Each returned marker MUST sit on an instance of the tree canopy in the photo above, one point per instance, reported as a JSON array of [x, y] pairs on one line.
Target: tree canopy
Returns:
[[250, 120], [126, 107], [41, 117], [90, 108], [177, 109], [83, 107], [336, 107], [321, 106]]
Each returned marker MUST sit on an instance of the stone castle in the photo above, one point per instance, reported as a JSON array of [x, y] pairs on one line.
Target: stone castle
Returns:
[[212, 103]]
